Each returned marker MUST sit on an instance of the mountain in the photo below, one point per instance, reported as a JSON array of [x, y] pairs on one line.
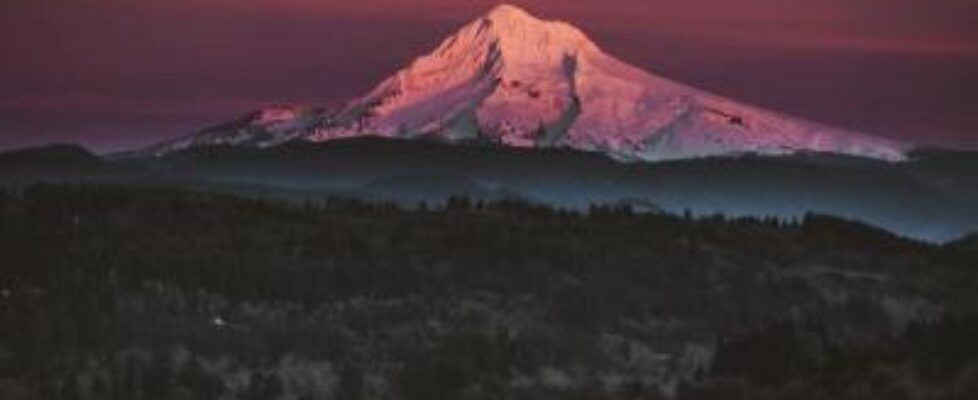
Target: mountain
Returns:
[[511, 79]]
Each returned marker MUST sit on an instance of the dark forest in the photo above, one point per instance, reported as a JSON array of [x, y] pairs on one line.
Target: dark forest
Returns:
[[110, 292]]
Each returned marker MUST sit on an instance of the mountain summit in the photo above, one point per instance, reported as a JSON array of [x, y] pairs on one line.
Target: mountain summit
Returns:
[[515, 80]]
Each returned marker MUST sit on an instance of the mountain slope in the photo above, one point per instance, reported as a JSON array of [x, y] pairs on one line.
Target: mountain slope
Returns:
[[512, 79], [269, 126]]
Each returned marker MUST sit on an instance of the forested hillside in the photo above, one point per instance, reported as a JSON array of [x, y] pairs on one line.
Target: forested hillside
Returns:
[[133, 293]]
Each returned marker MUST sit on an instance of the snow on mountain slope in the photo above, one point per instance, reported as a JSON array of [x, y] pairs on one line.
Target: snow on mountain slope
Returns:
[[263, 128], [512, 79]]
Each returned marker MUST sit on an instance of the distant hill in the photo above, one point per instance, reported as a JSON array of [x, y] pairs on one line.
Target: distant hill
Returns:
[[931, 196], [53, 156], [926, 197]]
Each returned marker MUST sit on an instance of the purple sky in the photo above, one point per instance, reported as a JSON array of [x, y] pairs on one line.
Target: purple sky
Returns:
[[113, 74]]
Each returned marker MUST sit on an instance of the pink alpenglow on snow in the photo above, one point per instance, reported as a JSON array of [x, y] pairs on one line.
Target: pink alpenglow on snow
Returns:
[[515, 80]]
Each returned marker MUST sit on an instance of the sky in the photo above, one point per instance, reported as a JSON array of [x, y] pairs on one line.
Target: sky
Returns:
[[118, 74]]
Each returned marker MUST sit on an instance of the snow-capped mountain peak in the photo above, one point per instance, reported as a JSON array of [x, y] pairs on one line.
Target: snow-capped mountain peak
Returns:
[[522, 37], [513, 79]]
